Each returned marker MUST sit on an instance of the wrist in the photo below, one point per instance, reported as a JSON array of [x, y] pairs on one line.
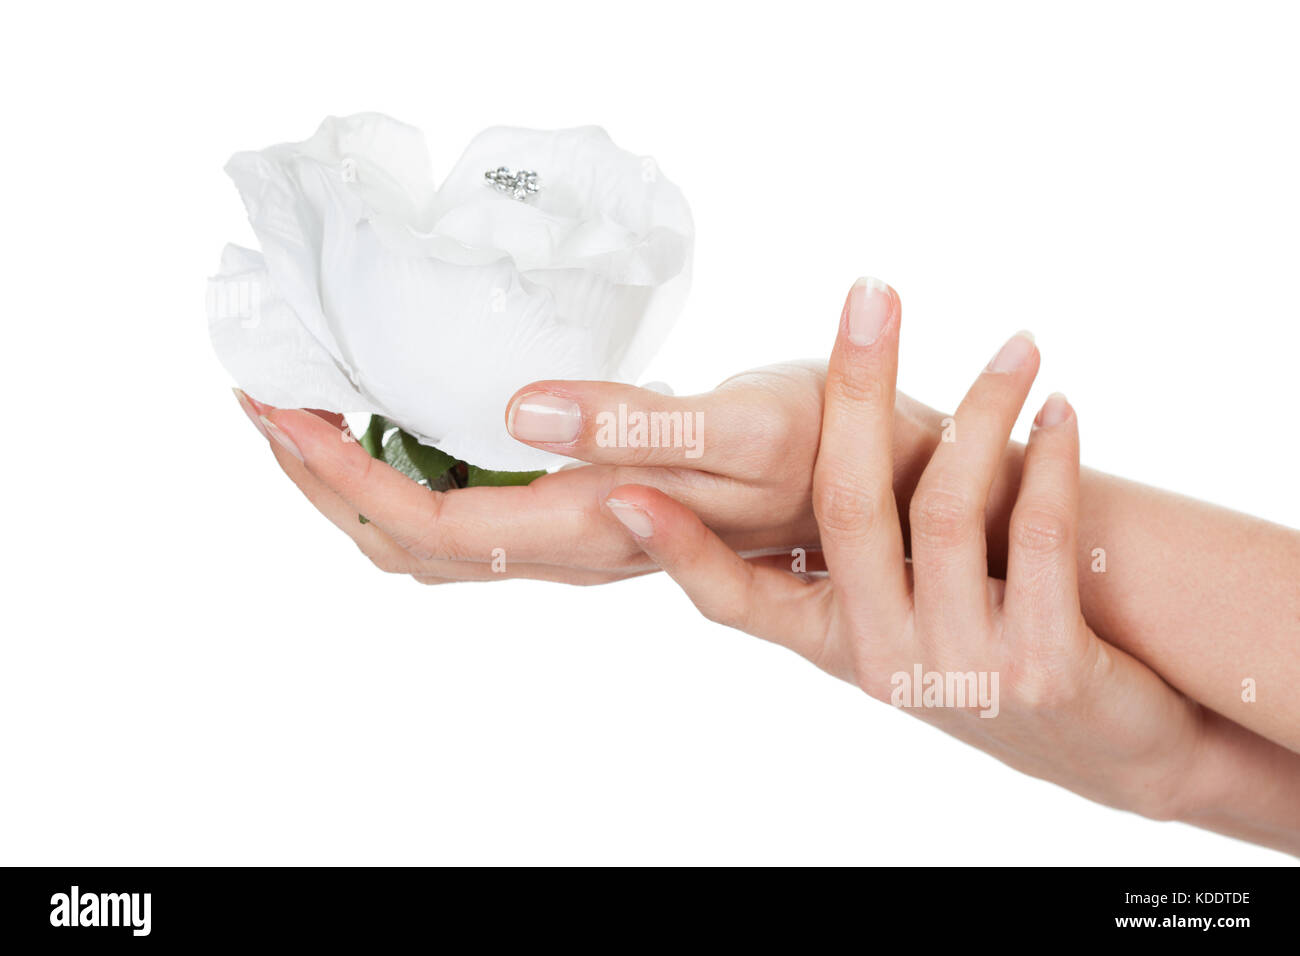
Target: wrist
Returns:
[[1243, 785]]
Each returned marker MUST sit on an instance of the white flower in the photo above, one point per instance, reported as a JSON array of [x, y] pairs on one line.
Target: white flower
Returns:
[[374, 291]]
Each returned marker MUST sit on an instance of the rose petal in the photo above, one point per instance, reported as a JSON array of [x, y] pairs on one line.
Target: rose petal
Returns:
[[264, 344], [433, 308]]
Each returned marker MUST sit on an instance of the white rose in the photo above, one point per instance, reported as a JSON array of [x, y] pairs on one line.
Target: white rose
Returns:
[[376, 292]]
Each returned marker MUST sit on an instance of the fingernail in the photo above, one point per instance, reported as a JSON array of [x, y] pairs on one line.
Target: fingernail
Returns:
[[278, 436], [249, 410], [1055, 410], [547, 418], [1013, 355], [868, 308], [633, 518]]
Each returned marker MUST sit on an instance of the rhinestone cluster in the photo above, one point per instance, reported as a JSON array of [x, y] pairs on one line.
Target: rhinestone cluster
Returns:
[[520, 185]]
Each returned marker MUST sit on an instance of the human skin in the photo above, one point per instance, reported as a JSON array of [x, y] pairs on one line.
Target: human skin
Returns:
[[1207, 597], [1072, 708]]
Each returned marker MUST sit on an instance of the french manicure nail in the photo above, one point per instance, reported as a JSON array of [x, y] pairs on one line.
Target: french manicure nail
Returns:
[[278, 436], [1055, 410], [249, 410], [868, 308], [545, 418], [1013, 355], [634, 519]]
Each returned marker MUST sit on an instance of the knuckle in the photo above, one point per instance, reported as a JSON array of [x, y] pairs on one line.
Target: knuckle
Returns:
[[760, 436], [844, 508], [1046, 679], [1039, 530], [1041, 690], [1050, 674], [771, 415], [942, 518], [856, 386], [768, 428], [434, 538]]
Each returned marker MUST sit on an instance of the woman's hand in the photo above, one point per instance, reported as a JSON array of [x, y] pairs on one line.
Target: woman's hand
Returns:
[[1057, 702], [747, 470], [753, 485]]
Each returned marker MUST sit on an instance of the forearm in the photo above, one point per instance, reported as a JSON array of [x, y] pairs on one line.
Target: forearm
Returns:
[[1244, 786], [1206, 597]]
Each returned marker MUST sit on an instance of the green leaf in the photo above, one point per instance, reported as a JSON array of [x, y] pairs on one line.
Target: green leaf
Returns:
[[481, 476], [429, 461], [415, 461], [372, 441], [424, 462]]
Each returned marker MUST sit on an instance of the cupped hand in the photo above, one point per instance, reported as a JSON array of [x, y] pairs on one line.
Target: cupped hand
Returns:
[[1042, 692], [745, 466]]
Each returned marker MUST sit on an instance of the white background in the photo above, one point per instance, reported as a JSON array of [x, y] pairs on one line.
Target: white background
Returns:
[[197, 668]]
